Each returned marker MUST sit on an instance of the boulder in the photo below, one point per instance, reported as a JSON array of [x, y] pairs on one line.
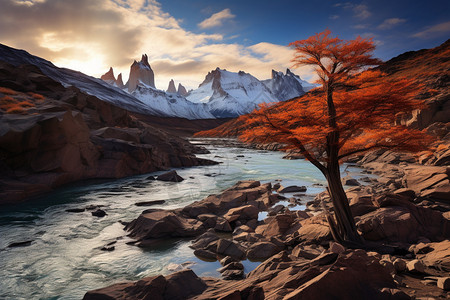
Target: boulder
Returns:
[[230, 248], [401, 221], [443, 283], [350, 181], [162, 223], [246, 212], [99, 213], [204, 240], [262, 250], [291, 189], [177, 286], [438, 256], [170, 176], [149, 203], [415, 266]]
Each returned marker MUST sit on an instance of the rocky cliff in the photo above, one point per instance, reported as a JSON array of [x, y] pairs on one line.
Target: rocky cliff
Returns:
[[141, 72], [51, 135]]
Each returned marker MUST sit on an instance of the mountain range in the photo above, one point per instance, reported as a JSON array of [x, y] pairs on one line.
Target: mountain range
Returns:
[[221, 94]]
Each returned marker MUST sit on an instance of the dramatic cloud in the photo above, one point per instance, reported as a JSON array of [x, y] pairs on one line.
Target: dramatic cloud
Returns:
[[434, 31], [216, 19], [389, 23], [90, 36]]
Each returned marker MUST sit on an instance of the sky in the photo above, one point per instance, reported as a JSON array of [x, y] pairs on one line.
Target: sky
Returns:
[[185, 39]]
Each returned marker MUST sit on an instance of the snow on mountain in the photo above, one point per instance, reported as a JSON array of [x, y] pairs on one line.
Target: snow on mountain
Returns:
[[89, 85], [230, 94], [171, 104], [284, 87]]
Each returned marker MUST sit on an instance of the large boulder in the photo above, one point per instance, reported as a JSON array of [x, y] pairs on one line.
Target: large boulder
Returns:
[[398, 220], [429, 181], [262, 250], [437, 256], [177, 286], [163, 223]]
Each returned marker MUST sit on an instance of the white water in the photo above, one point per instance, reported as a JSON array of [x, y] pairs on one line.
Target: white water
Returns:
[[64, 260]]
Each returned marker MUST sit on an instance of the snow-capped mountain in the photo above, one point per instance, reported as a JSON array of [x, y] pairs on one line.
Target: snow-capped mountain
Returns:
[[89, 85], [141, 85], [287, 86], [230, 94], [172, 104]]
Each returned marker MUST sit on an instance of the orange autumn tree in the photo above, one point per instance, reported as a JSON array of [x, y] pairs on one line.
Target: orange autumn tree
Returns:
[[351, 113]]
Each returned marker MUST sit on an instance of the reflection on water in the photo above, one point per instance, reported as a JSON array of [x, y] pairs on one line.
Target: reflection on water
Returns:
[[65, 258]]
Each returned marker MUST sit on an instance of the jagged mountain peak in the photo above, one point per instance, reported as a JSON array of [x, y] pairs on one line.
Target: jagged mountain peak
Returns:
[[182, 90], [171, 87], [109, 76], [141, 73]]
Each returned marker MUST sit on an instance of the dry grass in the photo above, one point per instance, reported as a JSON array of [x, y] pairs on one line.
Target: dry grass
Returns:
[[14, 106]]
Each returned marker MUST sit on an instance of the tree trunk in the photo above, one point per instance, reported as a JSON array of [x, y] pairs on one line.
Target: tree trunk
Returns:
[[345, 222]]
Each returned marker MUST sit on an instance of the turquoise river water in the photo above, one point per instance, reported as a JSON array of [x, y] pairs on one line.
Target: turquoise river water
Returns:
[[64, 259]]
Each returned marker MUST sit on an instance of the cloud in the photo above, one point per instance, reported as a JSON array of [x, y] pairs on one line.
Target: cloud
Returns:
[[361, 11], [216, 19], [334, 17], [389, 23], [434, 31], [90, 36]]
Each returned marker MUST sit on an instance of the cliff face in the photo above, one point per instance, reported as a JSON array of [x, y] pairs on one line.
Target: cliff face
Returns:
[[51, 135], [141, 72], [429, 68]]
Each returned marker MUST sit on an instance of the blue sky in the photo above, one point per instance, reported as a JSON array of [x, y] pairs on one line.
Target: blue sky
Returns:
[[283, 21], [186, 39]]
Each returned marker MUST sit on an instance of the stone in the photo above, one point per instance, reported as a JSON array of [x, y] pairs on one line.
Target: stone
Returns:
[[336, 248], [291, 189], [205, 254], [233, 274], [170, 176], [156, 223], [262, 250], [350, 181], [246, 212], [307, 251], [439, 256], [230, 248], [20, 244], [399, 220], [204, 240], [415, 266], [177, 286], [231, 266], [99, 213], [444, 283], [399, 265], [75, 210], [149, 203]]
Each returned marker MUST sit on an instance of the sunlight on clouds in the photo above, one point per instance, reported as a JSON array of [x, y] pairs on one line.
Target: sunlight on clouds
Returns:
[[216, 19], [91, 36]]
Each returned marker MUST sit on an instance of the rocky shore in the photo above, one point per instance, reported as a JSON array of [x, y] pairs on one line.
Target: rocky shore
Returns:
[[52, 135], [406, 254]]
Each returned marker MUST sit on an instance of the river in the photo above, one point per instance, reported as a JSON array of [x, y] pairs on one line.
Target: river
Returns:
[[65, 258]]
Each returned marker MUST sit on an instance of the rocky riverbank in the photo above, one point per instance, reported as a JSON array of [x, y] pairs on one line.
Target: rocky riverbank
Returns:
[[406, 253], [52, 135]]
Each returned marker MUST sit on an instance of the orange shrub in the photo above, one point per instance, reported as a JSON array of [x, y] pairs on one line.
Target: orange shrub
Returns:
[[7, 91], [36, 96]]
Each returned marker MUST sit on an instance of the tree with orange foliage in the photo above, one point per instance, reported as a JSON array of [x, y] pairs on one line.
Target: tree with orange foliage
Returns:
[[354, 111]]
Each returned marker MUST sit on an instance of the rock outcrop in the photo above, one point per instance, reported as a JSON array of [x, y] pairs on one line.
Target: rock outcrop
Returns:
[[140, 72], [171, 88], [64, 135], [182, 90]]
